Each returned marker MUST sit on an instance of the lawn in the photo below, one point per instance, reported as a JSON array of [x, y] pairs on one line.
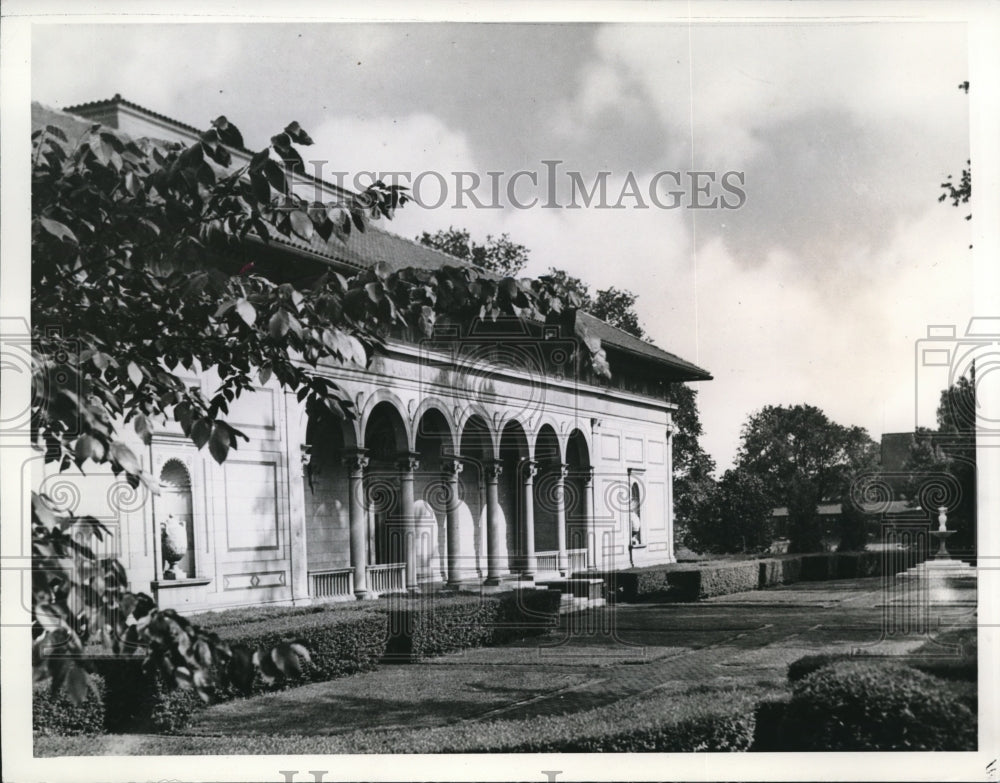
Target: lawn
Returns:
[[681, 671]]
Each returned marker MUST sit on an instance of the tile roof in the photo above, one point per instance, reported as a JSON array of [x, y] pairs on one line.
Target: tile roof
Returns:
[[377, 244]]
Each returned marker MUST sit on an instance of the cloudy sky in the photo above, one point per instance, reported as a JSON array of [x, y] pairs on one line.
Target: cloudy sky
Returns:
[[813, 291]]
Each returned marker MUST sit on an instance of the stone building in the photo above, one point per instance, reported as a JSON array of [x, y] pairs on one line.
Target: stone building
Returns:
[[486, 454]]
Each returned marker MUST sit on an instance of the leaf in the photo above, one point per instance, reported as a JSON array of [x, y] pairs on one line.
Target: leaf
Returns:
[[261, 187], [275, 176], [134, 374], [143, 428], [246, 311], [279, 325], [201, 431], [123, 456], [298, 135], [56, 131], [220, 442], [301, 224], [89, 447], [57, 229]]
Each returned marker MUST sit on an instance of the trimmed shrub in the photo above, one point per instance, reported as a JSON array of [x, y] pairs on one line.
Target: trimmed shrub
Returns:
[[716, 579], [818, 567], [339, 643], [779, 571], [137, 701], [769, 717], [807, 664], [56, 714], [633, 584], [868, 705], [421, 628]]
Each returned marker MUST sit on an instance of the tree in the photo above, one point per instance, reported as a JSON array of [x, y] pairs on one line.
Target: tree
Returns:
[[854, 523], [803, 458], [781, 444], [146, 263], [734, 516], [693, 468], [804, 533], [497, 254], [942, 462]]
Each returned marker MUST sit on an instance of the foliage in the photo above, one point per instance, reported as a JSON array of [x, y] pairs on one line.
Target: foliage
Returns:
[[612, 305], [804, 532], [780, 444], [149, 259], [734, 516], [497, 254], [942, 462], [876, 705], [80, 599], [693, 468], [854, 524], [779, 571], [142, 263], [421, 628], [339, 643], [707, 581], [962, 192], [141, 699], [56, 713]]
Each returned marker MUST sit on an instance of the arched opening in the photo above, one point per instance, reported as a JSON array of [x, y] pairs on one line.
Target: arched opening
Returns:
[[176, 521], [385, 442], [577, 524], [549, 459], [327, 503], [476, 451], [513, 458], [430, 490]]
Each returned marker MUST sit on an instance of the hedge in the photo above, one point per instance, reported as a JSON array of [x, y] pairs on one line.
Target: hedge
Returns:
[[56, 714], [421, 628], [779, 571], [706, 721], [339, 643], [137, 701], [876, 705]]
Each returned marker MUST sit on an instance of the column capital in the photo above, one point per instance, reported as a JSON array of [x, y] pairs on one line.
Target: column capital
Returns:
[[409, 462], [530, 469], [561, 470], [493, 469], [586, 472], [451, 465], [355, 459]]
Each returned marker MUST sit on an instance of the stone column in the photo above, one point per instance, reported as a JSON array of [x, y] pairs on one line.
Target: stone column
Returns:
[[562, 561], [409, 464], [356, 462], [451, 466], [530, 471], [587, 474], [494, 533]]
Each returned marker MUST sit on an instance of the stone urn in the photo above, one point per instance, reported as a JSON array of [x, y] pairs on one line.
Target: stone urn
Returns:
[[174, 544]]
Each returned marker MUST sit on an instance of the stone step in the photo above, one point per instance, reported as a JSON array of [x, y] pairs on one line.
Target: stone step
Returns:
[[591, 589]]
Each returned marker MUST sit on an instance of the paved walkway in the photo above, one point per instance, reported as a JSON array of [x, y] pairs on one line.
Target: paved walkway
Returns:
[[600, 656]]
